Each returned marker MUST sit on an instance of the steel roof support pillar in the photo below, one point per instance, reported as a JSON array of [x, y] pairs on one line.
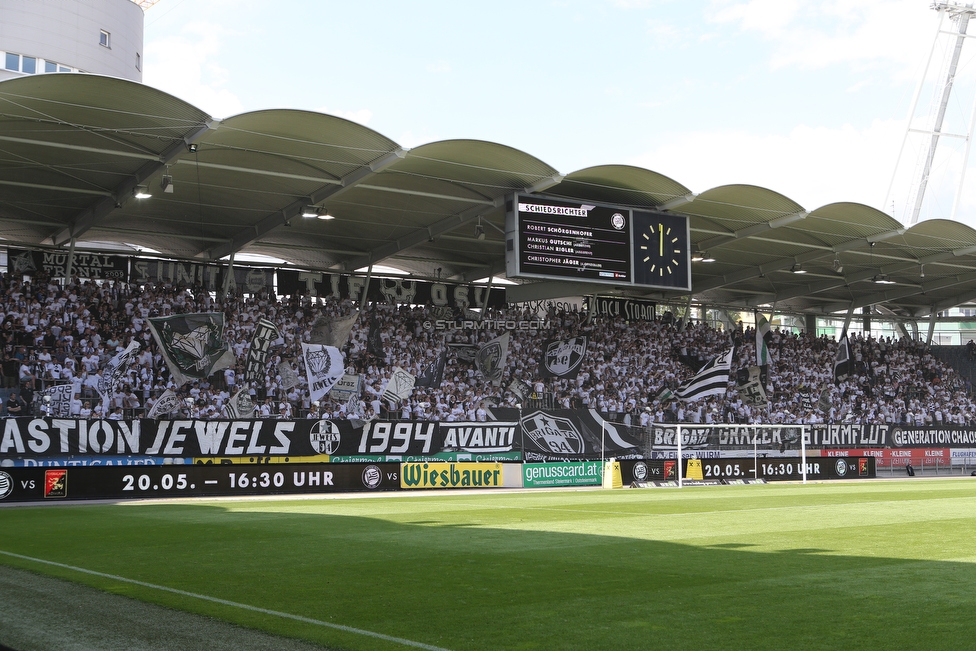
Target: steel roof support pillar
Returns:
[[928, 338], [71, 261]]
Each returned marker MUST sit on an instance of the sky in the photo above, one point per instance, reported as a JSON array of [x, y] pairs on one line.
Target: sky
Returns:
[[807, 98]]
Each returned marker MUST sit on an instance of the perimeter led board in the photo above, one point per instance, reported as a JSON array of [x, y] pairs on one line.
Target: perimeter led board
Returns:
[[558, 239]]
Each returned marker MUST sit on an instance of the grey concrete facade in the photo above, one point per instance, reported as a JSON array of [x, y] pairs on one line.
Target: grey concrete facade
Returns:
[[96, 36]]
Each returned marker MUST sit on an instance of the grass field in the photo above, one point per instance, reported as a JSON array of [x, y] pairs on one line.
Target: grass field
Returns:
[[863, 565]]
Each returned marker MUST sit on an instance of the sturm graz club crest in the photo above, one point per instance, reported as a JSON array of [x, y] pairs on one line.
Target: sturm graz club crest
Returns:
[[324, 437], [372, 477], [841, 467], [640, 471], [6, 485], [553, 433], [563, 357]]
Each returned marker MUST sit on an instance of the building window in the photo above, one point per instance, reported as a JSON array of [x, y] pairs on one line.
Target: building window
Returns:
[[52, 66], [19, 63], [105, 39]]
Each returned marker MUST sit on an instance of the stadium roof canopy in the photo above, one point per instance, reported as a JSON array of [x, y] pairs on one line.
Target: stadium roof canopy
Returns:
[[75, 147]]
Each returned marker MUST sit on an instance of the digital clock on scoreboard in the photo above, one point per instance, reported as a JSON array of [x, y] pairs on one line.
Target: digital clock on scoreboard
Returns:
[[662, 255], [559, 239]]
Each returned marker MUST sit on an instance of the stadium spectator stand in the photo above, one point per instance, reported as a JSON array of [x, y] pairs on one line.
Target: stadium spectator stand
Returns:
[[58, 335]]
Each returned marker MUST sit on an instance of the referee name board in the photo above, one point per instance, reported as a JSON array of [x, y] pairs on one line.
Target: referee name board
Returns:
[[561, 239]]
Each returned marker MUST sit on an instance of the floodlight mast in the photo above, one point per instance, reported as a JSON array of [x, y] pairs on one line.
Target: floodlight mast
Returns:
[[959, 14]]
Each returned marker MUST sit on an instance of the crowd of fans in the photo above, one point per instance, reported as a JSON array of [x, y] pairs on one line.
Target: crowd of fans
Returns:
[[66, 334]]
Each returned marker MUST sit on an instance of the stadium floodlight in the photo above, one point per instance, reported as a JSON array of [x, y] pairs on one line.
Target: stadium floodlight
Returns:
[[166, 183], [696, 254], [798, 269], [882, 279], [141, 192], [310, 211], [706, 257], [838, 267]]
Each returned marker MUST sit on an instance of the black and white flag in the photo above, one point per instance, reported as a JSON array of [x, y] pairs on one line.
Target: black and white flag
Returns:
[[332, 331], [400, 386], [464, 352], [193, 345], [491, 358], [56, 401], [563, 358], [114, 371], [842, 363], [750, 385], [240, 405], [324, 367], [265, 334], [289, 378], [374, 339], [166, 404], [433, 375], [520, 388], [711, 380]]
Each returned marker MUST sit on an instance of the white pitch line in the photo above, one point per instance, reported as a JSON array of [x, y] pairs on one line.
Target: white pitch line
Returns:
[[234, 604]]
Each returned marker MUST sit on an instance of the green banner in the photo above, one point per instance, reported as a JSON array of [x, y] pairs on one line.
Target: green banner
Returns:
[[582, 473]]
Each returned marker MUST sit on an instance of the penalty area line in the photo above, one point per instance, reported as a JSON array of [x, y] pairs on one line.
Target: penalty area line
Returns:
[[233, 604]]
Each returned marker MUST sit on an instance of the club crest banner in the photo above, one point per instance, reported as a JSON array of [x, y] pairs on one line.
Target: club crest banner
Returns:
[[324, 367], [400, 385], [563, 358], [192, 344], [166, 404], [491, 358], [240, 405]]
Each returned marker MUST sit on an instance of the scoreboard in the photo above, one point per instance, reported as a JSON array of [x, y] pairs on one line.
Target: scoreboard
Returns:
[[558, 239]]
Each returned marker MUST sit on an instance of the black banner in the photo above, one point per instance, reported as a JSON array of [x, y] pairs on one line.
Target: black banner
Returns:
[[571, 435], [389, 290], [23, 262], [142, 482], [209, 276], [265, 333], [630, 309], [898, 436], [45, 437], [735, 437]]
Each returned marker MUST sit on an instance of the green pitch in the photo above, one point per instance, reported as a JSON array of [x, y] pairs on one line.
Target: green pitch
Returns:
[[866, 565]]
